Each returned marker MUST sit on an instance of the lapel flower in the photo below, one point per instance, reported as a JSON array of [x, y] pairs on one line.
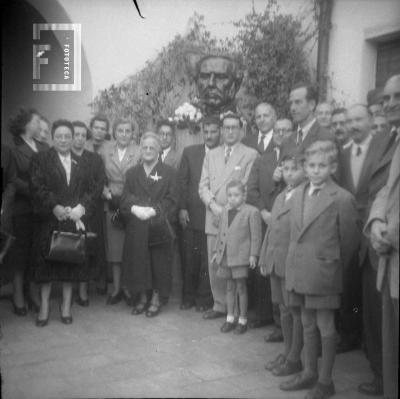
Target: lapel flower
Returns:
[[155, 177]]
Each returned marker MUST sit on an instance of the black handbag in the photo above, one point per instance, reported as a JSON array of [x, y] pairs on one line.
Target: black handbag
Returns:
[[160, 231], [67, 247]]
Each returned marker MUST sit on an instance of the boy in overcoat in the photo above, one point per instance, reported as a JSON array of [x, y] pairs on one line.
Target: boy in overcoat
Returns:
[[272, 262], [324, 234]]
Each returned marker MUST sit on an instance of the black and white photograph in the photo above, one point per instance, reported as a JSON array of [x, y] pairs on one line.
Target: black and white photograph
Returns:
[[200, 199]]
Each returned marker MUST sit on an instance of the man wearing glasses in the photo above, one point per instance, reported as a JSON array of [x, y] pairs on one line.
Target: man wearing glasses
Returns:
[[231, 160]]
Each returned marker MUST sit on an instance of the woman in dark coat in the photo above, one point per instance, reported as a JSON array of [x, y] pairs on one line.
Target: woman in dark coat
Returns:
[[93, 162], [63, 199], [24, 127], [148, 201]]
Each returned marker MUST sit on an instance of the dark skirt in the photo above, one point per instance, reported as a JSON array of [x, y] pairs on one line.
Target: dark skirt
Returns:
[[44, 271]]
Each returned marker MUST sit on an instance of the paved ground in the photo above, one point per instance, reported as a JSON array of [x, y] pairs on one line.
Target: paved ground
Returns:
[[107, 352]]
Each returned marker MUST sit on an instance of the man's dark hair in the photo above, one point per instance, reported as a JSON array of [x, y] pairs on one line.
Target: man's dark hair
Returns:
[[62, 122], [211, 120], [101, 118], [231, 115], [83, 124], [311, 91], [338, 111]]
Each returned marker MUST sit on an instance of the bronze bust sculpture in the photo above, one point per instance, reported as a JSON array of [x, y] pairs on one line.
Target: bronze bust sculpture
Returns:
[[218, 79]]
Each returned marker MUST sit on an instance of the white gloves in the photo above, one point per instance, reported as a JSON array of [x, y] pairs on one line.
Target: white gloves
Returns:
[[76, 213], [143, 212]]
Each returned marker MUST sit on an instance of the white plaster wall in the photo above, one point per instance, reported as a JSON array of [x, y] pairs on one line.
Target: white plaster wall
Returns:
[[352, 59]]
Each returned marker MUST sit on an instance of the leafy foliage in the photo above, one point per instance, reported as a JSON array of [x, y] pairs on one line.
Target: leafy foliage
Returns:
[[270, 46], [273, 47]]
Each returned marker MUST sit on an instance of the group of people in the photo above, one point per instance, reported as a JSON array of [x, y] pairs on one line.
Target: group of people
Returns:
[[297, 223]]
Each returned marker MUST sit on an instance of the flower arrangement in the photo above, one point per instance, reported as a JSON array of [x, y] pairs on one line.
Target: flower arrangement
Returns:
[[187, 116]]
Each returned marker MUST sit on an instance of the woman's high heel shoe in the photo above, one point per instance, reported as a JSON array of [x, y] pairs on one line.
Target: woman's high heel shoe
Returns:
[[42, 323], [65, 319], [114, 299]]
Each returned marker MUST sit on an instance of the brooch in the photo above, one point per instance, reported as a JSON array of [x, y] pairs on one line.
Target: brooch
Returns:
[[238, 167], [155, 177]]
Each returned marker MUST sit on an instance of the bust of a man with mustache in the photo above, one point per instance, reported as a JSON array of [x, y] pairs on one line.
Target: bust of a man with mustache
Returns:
[[218, 80]]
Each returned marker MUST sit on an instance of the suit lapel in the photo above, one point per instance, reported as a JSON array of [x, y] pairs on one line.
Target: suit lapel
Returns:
[[233, 162], [374, 152], [347, 168], [284, 208], [218, 166], [324, 201], [59, 167], [75, 166]]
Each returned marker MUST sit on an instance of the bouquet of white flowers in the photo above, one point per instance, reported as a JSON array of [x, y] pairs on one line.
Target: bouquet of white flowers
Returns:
[[187, 116]]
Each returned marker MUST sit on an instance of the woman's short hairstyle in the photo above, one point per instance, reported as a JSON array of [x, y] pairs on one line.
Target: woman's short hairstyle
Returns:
[[83, 124], [61, 122], [238, 184], [324, 147], [101, 118], [151, 135], [18, 122], [121, 121]]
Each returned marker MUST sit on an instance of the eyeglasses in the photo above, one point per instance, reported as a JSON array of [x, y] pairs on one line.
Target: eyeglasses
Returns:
[[231, 128]]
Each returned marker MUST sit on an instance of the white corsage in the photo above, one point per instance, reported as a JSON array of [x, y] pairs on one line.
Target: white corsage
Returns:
[[155, 177]]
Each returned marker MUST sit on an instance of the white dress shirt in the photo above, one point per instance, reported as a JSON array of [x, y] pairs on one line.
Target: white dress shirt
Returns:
[[121, 153], [164, 153], [305, 129], [267, 137]]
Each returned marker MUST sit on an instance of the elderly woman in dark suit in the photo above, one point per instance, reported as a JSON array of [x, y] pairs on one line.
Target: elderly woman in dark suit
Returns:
[[118, 156], [63, 199], [24, 127], [149, 203]]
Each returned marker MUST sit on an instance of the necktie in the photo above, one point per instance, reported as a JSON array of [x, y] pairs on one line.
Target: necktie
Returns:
[[228, 151], [358, 152], [314, 191], [299, 137], [162, 155], [260, 145]]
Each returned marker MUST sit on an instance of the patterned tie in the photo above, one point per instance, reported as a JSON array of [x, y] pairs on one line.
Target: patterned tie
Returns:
[[358, 152], [228, 152], [299, 137]]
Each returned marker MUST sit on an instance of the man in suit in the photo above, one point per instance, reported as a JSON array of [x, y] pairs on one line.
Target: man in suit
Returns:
[[232, 160], [261, 193], [339, 127], [303, 99], [383, 229], [166, 133], [192, 215], [365, 168], [265, 117]]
